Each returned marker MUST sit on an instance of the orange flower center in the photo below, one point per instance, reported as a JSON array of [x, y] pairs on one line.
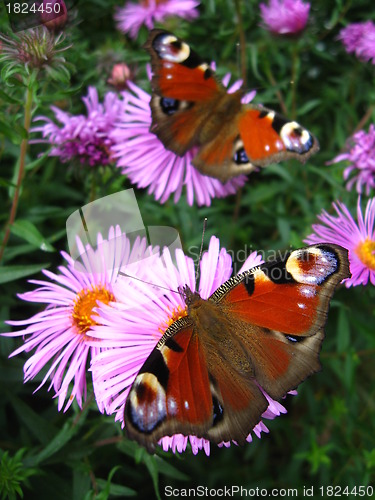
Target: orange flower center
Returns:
[[366, 252], [84, 303], [174, 315]]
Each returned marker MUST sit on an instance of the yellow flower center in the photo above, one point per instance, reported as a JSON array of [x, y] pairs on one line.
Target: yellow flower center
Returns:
[[174, 315], [366, 252], [84, 303]]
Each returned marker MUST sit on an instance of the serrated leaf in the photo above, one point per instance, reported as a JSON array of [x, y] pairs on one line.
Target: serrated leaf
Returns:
[[27, 231], [12, 273]]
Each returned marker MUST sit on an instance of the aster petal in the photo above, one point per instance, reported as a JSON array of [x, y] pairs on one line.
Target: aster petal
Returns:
[[53, 333], [344, 231], [285, 17], [128, 333], [84, 138], [132, 16]]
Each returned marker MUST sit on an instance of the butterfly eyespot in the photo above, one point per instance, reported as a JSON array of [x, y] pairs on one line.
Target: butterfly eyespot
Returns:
[[295, 138], [294, 339], [147, 408], [240, 157], [176, 44], [217, 410], [313, 266], [169, 48], [169, 106]]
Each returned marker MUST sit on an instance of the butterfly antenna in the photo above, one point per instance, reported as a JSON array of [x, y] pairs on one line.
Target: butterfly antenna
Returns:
[[197, 276], [148, 282]]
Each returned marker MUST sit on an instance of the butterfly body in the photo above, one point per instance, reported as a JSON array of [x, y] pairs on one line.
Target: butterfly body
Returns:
[[260, 332], [190, 107]]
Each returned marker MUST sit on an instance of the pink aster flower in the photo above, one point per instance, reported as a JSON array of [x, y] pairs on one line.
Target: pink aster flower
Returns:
[[361, 155], [83, 137], [285, 17], [144, 159], [357, 237], [148, 12], [59, 332], [360, 39], [129, 333]]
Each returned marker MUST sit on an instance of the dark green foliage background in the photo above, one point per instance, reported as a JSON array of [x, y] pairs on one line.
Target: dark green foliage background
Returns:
[[328, 435]]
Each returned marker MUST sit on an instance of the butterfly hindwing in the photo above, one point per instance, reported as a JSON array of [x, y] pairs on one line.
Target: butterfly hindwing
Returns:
[[180, 391], [171, 393], [190, 107]]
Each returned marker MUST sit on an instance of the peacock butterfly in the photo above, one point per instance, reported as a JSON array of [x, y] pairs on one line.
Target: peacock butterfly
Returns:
[[261, 329], [190, 107]]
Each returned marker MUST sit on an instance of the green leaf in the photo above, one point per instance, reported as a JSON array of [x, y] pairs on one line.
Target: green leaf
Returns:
[[38, 162], [150, 462], [12, 273], [9, 132], [167, 469], [26, 230], [8, 98], [343, 332], [308, 106], [67, 433], [36, 424]]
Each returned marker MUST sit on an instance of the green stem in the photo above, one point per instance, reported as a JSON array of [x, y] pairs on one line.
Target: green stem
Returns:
[[21, 167], [242, 36], [278, 93], [237, 3], [295, 61]]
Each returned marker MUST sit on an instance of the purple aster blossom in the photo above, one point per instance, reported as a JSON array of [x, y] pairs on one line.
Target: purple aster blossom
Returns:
[[285, 17], [360, 39], [357, 237], [59, 332], [361, 156], [132, 16], [129, 333], [83, 137], [144, 159]]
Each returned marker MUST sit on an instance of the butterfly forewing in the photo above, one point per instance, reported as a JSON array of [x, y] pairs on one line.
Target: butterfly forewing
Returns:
[[280, 310]]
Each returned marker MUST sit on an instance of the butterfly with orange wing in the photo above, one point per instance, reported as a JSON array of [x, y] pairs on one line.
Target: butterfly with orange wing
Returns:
[[190, 107], [262, 329]]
